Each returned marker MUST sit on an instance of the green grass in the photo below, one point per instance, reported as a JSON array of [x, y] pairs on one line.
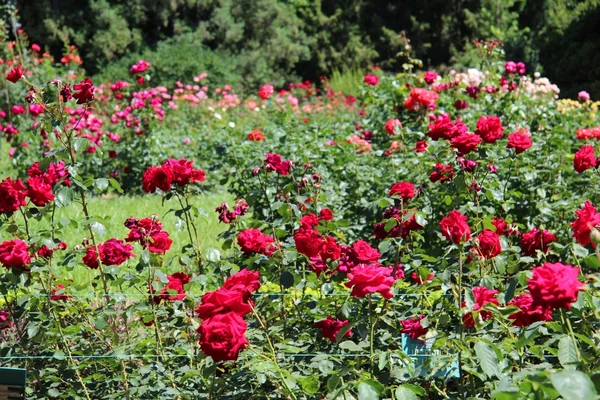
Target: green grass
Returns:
[[347, 81]]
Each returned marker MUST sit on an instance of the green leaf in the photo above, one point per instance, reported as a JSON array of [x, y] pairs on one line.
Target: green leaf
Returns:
[[367, 392], [573, 385], [53, 393], [567, 352], [580, 251], [213, 255], [309, 384], [32, 330], [100, 323], [404, 393], [98, 228], [333, 382], [115, 185], [487, 358], [101, 183], [64, 197]]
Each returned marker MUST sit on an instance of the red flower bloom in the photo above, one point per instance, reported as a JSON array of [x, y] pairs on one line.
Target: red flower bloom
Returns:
[[519, 141], [58, 294], [12, 195], [442, 173], [455, 228], [330, 327], [489, 128], [536, 240], [363, 253], [223, 337], [173, 290], [84, 91], [528, 313], [308, 241], [115, 252], [90, 259], [489, 244], [159, 243], [372, 80], [405, 190], [419, 97], [256, 135], [223, 301], [274, 162], [14, 254], [17, 109], [481, 296], [421, 146], [587, 218], [254, 241], [430, 77], [39, 191], [370, 278], [391, 124], [265, 91], [417, 278], [465, 143], [584, 159], [157, 177], [184, 172], [5, 319], [140, 67], [443, 128], [245, 282], [413, 328], [325, 214], [554, 285], [330, 250], [15, 74]]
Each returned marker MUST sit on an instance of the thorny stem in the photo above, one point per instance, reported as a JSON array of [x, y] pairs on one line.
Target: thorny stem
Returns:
[[188, 223], [461, 326]]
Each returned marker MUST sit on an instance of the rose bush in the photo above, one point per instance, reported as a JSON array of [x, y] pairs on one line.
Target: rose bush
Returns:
[[466, 224]]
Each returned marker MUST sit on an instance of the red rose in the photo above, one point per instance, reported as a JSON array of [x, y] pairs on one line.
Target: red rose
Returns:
[[17, 109], [536, 240], [58, 294], [417, 278], [39, 191], [489, 244], [481, 297], [14, 254], [157, 177], [372, 80], [442, 173], [405, 190], [413, 328], [330, 250], [309, 221], [15, 74], [489, 128], [528, 313], [326, 214], [254, 241], [245, 282], [330, 327], [363, 253], [222, 337], [554, 285], [183, 171], [173, 290], [391, 124], [159, 243], [91, 258], [5, 319], [584, 159], [420, 146], [308, 241], [429, 77], [265, 91], [256, 136], [519, 141], [443, 128], [274, 162], [223, 301], [455, 227], [115, 252], [587, 218], [84, 91], [12, 195], [371, 278], [419, 97], [465, 143]]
